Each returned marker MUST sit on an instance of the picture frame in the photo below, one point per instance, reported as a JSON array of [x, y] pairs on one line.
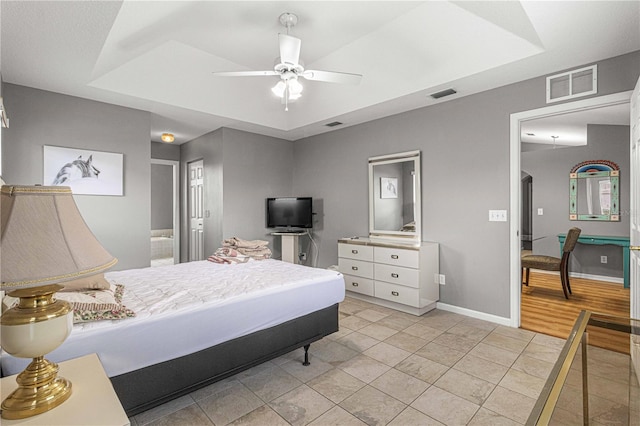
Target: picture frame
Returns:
[[85, 171], [388, 187]]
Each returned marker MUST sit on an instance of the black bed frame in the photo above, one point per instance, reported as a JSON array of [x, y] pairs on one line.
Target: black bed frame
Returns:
[[151, 386]]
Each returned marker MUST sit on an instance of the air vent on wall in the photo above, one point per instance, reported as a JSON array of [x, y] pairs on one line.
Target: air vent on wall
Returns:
[[334, 124], [572, 84], [443, 93]]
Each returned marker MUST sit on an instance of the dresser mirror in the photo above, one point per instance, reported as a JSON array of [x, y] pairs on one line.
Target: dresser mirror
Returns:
[[594, 191], [394, 196]]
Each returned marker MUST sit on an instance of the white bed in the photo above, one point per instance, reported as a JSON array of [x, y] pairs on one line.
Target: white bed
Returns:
[[185, 308]]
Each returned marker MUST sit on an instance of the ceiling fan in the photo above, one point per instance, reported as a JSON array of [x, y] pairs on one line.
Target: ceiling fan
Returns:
[[289, 67]]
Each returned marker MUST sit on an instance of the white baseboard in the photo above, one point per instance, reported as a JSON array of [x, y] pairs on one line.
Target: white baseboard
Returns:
[[475, 314]]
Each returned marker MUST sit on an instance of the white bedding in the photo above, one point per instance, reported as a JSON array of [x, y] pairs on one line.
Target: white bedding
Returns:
[[191, 306]]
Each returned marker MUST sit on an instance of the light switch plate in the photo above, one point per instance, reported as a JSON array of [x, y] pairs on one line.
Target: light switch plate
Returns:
[[497, 215], [540, 211]]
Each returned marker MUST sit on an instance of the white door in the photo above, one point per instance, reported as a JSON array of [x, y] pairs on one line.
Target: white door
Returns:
[[635, 203], [196, 210], [634, 275]]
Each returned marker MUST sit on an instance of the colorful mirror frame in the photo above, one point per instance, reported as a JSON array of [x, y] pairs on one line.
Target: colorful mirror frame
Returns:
[[595, 169]]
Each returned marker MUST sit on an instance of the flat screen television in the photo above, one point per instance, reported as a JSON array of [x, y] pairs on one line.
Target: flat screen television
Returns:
[[290, 212]]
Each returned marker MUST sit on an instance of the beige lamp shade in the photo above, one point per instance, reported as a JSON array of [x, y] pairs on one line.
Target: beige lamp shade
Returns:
[[45, 240]]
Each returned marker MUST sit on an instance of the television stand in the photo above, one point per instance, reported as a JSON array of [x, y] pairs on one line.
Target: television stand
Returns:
[[290, 245]]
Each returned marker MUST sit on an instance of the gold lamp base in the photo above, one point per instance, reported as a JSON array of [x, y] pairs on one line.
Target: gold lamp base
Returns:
[[39, 390], [35, 327]]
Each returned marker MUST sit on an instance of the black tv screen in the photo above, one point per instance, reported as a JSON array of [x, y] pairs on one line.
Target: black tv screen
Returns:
[[289, 212]]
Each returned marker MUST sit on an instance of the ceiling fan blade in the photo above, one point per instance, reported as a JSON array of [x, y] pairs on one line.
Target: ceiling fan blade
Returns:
[[289, 49], [243, 73], [332, 77]]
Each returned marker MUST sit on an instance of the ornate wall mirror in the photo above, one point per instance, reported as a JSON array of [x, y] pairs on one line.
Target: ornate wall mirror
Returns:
[[594, 191], [394, 196]]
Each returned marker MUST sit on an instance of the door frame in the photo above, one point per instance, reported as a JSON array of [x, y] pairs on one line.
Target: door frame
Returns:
[[515, 273], [176, 204]]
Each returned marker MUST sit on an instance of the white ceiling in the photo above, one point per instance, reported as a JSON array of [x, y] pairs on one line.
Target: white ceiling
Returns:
[[571, 128], [159, 56]]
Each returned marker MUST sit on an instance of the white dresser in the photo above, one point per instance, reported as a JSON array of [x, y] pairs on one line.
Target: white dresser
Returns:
[[402, 276]]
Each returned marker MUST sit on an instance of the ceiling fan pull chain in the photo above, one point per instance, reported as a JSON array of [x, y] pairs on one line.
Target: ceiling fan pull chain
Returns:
[[286, 96]]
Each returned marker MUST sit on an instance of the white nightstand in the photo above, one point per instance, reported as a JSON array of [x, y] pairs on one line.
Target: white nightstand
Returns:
[[92, 402]]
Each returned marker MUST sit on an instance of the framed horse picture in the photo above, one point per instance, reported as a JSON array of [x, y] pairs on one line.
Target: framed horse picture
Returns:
[[86, 171]]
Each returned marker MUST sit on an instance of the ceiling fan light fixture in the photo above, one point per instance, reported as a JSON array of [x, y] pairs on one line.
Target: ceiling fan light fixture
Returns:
[[167, 137], [279, 89], [295, 88]]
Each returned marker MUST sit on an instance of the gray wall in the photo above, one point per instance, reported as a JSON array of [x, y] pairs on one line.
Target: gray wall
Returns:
[[41, 118], [550, 171], [465, 172], [165, 151], [255, 167], [161, 196], [241, 170]]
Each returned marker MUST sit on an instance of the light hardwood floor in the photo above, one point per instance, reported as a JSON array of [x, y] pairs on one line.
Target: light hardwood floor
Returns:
[[545, 310]]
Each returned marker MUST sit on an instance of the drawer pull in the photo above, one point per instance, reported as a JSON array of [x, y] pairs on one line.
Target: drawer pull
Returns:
[[394, 275], [354, 251], [395, 293], [354, 284], [355, 268], [394, 256]]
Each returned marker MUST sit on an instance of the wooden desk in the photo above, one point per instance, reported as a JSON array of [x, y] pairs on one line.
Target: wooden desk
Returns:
[[604, 240], [92, 402]]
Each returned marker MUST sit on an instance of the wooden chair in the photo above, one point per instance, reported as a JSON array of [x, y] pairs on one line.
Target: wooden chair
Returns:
[[550, 263]]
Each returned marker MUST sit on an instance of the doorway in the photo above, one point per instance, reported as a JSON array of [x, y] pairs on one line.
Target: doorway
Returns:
[[165, 212], [515, 231], [526, 226]]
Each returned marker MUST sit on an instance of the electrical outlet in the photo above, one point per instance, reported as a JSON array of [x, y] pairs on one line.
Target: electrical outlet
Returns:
[[603, 259], [441, 279], [303, 256]]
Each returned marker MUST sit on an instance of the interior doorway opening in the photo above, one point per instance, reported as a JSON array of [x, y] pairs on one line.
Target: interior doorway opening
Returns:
[[527, 212], [516, 228], [165, 214]]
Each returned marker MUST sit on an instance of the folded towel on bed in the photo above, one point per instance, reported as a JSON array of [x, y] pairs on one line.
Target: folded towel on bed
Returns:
[[245, 244], [256, 249], [226, 251], [216, 258]]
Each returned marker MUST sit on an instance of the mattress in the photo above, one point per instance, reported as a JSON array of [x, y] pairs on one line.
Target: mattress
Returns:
[[184, 308]]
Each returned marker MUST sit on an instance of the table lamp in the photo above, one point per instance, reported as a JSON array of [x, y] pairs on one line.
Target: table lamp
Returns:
[[44, 242]]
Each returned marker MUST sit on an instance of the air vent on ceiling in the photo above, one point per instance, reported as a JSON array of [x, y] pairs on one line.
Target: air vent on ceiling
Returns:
[[333, 124], [443, 93]]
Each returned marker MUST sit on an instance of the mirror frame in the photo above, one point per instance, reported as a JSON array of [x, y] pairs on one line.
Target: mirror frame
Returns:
[[416, 235], [590, 169]]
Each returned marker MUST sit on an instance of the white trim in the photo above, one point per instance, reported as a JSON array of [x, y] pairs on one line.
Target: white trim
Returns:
[[514, 204], [474, 314], [176, 204]]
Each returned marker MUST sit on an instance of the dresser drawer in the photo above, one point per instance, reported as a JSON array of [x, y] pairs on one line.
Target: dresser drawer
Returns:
[[358, 284], [397, 293], [396, 275], [358, 268], [355, 251], [399, 257]]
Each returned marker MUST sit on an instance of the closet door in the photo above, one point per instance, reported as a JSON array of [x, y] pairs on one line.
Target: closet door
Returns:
[[196, 210]]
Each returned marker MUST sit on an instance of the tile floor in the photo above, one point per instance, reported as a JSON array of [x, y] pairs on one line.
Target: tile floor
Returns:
[[383, 367]]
